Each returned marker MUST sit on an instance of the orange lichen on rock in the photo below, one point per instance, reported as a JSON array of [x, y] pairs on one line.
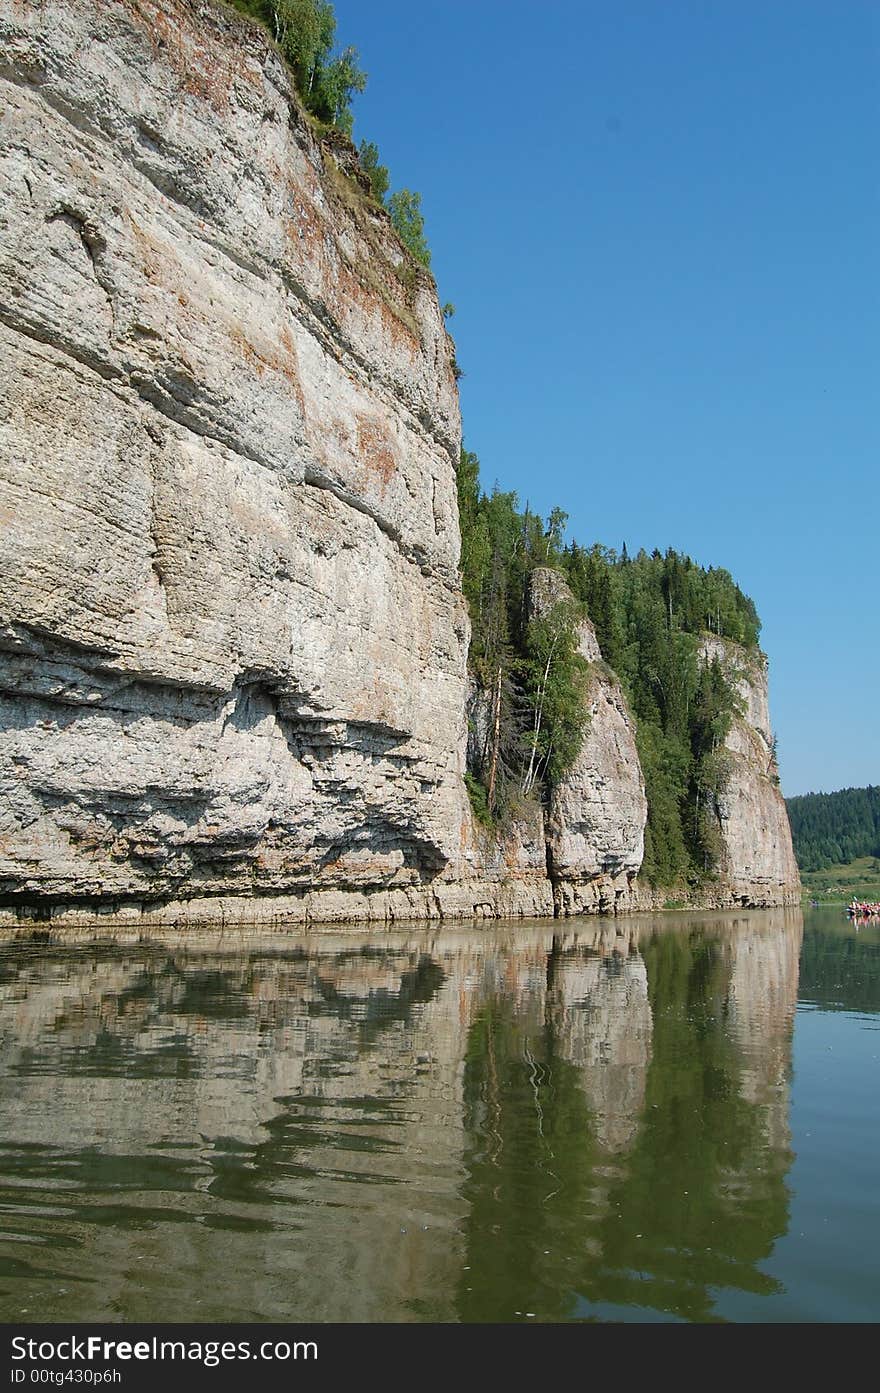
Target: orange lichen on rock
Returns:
[[375, 449], [204, 69]]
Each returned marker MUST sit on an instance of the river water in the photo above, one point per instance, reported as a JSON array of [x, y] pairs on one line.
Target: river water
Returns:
[[670, 1117]]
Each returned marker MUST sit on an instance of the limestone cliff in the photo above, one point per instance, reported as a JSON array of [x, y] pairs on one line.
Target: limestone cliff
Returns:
[[233, 641], [596, 815], [758, 865]]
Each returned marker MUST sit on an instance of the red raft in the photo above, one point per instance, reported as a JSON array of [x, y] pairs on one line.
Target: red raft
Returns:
[[864, 909]]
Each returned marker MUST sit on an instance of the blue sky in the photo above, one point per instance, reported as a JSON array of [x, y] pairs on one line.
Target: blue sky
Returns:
[[659, 223]]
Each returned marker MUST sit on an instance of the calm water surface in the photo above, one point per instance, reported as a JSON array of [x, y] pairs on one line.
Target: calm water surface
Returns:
[[668, 1118]]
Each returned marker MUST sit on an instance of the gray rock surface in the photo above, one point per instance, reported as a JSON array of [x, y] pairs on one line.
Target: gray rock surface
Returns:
[[758, 865], [232, 636], [597, 813], [233, 641]]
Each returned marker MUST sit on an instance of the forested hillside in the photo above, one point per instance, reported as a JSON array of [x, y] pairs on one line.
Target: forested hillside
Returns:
[[831, 829], [649, 612]]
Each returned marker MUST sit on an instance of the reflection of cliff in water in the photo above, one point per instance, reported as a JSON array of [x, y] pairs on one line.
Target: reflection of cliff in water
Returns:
[[230, 1136], [644, 1165], [434, 1125], [598, 1008]]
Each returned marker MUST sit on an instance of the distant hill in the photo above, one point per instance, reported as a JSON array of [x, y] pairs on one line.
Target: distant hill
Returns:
[[832, 829]]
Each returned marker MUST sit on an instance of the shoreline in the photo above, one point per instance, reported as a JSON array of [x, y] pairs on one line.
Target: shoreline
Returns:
[[443, 903]]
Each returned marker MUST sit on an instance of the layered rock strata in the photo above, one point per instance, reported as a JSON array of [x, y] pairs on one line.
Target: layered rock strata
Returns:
[[758, 865], [233, 639], [232, 636]]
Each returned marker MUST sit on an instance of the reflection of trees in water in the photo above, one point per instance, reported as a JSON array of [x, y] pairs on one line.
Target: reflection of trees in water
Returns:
[[840, 964], [366, 1131], [530, 1163], [703, 1198], [559, 1209], [598, 1007], [382, 1006]]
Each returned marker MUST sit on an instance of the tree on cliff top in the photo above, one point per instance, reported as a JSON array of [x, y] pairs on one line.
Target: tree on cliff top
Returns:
[[649, 612], [305, 31], [368, 154], [554, 683], [528, 669], [405, 208]]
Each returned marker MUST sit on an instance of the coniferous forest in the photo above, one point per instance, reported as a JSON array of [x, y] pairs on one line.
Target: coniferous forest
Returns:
[[830, 829], [649, 612]]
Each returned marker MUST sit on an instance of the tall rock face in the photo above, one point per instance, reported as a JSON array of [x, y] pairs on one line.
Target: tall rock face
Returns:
[[595, 821], [758, 865], [233, 643]]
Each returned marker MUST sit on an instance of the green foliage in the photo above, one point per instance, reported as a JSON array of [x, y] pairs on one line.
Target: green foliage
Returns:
[[404, 208], [665, 767], [305, 31], [554, 678], [681, 596], [839, 883], [376, 173], [590, 577], [478, 799], [831, 829], [530, 672], [338, 82], [649, 613], [406, 217]]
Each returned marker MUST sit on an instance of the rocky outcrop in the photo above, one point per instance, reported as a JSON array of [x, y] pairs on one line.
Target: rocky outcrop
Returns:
[[758, 865], [232, 636], [596, 816], [233, 639]]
